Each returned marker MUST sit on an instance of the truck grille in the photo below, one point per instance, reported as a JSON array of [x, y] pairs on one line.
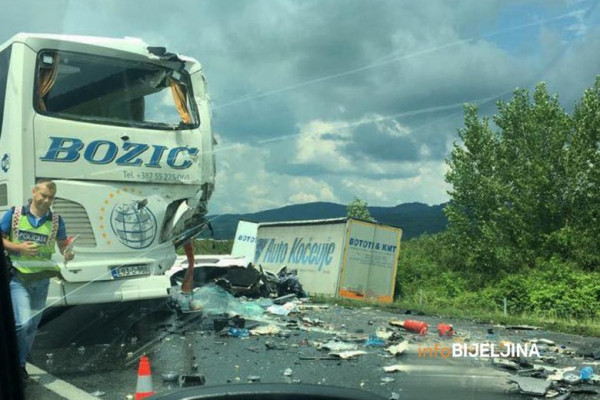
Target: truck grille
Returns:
[[76, 220]]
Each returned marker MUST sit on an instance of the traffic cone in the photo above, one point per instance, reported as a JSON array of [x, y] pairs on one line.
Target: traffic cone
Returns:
[[143, 388]]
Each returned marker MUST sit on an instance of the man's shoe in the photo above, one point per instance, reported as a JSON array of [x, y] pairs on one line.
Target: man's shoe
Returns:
[[24, 374]]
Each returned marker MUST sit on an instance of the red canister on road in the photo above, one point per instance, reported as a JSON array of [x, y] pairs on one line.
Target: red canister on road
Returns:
[[445, 329], [415, 326]]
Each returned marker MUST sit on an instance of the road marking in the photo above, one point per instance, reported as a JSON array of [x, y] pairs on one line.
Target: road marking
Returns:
[[58, 386]]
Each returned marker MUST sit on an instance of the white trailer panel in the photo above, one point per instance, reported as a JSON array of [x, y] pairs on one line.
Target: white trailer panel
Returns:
[[370, 261], [244, 244], [334, 257], [314, 248]]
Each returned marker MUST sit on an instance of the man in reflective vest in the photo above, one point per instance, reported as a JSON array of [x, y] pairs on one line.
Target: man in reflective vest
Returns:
[[30, 234]]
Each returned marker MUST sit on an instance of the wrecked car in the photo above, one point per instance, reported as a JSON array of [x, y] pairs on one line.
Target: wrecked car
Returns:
[[237, 277]]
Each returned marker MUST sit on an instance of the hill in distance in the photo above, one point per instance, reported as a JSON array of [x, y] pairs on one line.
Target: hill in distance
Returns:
[[414, 218]]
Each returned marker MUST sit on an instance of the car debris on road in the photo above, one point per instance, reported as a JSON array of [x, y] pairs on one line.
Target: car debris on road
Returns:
[[245, 295]]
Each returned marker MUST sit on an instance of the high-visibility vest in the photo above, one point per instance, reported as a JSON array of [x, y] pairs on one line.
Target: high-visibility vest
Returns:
[[40, 265]]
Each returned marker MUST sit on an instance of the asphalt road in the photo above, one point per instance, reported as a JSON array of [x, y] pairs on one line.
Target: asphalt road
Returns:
[[96, 349]]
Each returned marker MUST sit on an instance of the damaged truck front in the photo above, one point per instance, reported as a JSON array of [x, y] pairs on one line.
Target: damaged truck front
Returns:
[[123, 129]]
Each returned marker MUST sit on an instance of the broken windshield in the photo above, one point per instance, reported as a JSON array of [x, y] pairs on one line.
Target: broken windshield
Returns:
[[115, 92]]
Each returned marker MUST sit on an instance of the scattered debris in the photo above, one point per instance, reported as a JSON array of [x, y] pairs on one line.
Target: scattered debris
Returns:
[[286, 317], [274, 346], [553, 394], [593, 355], [523, 327], [238, 332], [374, 341], [547, 342], [384, 334], [212, 300], [281, 310], [344, 355], [536, 387], [266, 330], [571, 377], [445, 329], [411, 325], [558, 374], [587, 373], [303, 307], [548, 359], [395, 368], [318, 358], [285, 299], [221, 322], [334, 345], [584, 390], [399, 348]]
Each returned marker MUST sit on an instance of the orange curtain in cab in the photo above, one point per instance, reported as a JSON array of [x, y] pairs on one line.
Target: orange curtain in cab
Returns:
[[180, 97], [46, 79]]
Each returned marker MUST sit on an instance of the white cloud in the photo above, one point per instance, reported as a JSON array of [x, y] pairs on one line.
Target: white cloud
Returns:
[[314, 146], [244, 183]]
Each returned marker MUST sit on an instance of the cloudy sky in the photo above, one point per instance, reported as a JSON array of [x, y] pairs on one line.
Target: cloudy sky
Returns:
[[327, 100]]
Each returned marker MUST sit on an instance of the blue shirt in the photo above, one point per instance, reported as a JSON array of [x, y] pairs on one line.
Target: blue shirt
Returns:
[[6, 223]]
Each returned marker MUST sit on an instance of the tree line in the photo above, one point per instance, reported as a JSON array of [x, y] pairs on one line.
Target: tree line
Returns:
[[523, 216]]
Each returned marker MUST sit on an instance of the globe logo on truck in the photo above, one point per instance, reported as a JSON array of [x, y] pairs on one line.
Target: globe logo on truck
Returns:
[[134, 226], [5, 163]]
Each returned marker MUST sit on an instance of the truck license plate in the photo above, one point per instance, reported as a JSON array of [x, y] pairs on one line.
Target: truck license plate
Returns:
[[129, 270]]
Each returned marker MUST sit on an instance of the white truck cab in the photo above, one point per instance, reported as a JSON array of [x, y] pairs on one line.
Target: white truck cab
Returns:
[[123, 128]]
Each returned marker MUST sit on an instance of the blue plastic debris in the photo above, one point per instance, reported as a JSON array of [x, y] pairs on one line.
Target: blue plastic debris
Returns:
[[238, 332], [374, 341]]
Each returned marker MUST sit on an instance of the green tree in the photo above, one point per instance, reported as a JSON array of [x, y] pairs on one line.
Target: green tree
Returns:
[[511, 187], [359, 209], [581, 235]]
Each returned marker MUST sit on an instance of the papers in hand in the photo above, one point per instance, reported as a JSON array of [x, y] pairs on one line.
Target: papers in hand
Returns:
[[69, 246], [71, 242]]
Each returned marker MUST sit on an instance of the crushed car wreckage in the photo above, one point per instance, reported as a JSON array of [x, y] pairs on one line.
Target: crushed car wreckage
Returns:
[[234, 276]]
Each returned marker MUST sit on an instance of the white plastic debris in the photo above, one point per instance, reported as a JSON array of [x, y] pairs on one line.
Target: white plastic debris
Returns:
[[333, 345], [395, 368], [559, 373], [398, 348], [383, 333], [266, 330]]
